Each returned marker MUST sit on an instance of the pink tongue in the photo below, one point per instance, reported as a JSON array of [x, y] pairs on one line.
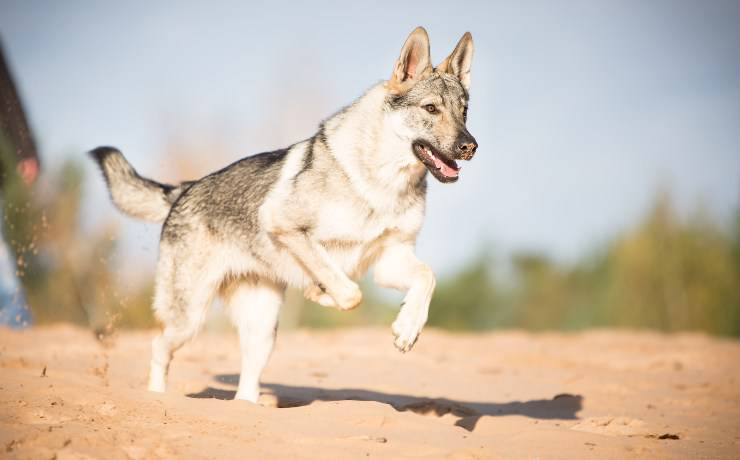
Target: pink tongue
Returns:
[[447, 171]]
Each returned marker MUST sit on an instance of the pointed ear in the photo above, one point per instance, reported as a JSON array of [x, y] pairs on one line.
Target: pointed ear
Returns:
[[458, 63], [414, 62]]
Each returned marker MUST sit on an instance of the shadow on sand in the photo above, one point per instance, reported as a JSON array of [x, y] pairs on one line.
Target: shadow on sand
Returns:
[[561, 407]]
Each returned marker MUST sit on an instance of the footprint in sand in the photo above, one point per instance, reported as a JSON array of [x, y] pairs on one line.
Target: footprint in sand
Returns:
[[612, 426], [107, 408], [42, 417]]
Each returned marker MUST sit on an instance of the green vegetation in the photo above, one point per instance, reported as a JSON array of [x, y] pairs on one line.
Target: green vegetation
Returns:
[[667, 273]]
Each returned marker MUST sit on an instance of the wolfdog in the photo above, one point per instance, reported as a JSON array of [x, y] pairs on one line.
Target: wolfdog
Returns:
[[315, 215]]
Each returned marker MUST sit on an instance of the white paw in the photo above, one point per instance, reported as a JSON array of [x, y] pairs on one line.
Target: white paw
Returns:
[[315, 294], [156, 385], [348, 297], [251, 395], [407, 327]]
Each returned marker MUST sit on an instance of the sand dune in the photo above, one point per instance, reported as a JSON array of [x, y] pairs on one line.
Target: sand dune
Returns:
[[350, 394]]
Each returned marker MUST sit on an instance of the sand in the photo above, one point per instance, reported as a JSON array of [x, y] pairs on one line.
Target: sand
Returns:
[[349, 394]]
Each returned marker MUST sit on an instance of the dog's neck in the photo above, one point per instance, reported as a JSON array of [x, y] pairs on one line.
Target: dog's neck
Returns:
[[370, 146]]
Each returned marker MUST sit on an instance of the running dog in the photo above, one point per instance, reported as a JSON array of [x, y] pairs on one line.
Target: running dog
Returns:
[[315, 215]]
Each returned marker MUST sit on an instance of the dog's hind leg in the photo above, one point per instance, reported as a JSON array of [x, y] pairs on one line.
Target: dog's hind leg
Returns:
[[254, 304], [183, 292]]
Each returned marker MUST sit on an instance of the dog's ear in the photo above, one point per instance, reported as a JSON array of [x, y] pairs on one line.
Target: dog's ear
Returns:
[[414, 63], [458, 63]]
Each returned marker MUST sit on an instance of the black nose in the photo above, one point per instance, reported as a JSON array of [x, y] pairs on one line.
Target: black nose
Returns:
[[466, 146]]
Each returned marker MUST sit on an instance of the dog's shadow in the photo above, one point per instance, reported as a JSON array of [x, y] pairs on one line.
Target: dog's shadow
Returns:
[[561, 407]]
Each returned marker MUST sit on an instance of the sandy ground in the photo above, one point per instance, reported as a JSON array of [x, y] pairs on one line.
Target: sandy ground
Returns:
[[349, 394]]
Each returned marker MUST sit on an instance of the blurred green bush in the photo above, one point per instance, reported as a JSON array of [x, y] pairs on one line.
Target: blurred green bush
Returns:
[[667, 273]]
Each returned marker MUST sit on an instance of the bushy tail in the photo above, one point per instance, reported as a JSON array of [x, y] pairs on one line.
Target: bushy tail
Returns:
[[135, 195]]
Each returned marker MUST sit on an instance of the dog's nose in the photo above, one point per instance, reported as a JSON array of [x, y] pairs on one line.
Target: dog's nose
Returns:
[[466, 146]]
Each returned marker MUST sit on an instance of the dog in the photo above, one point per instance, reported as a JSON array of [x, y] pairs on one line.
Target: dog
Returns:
[[315, 215]]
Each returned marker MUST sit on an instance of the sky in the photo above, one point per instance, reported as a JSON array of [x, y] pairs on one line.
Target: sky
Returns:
[[583, 110]]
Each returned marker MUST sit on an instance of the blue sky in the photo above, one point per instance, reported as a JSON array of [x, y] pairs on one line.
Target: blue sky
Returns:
[[583, 110]]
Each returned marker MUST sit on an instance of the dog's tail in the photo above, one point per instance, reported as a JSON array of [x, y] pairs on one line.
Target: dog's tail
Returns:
[[135, 195]]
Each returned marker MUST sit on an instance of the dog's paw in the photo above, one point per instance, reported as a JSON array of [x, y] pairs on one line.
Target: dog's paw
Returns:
[[406, 328], [156, 385], [248, 394], [349, 297], [315, 294]]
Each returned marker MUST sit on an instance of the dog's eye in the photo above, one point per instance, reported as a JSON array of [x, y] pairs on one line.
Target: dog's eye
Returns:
[[431, 108]]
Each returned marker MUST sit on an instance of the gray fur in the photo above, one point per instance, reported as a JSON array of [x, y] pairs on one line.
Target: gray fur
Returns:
[[227, 200]]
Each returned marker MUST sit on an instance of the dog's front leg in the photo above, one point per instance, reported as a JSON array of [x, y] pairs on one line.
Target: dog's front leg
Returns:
[[398, 268], [319, 266]]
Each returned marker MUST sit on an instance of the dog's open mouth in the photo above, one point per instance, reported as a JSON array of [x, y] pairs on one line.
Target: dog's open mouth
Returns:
[[441, 167]]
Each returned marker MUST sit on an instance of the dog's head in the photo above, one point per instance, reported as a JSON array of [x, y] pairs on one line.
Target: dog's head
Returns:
[[429, 105]]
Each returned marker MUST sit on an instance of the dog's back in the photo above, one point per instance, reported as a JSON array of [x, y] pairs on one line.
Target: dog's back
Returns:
[[226, 201]]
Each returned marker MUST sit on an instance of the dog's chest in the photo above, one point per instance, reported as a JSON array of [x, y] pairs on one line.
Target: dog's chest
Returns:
[[347, 224]]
